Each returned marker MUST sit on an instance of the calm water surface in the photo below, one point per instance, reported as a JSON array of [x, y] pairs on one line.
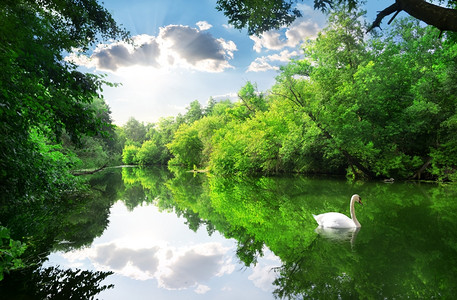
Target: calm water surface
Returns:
[[191, 236]]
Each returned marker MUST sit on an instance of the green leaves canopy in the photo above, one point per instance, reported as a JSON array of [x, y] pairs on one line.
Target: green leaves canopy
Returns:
[[258, 16], [39, 89]]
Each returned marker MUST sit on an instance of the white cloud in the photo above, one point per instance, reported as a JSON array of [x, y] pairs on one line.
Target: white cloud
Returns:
[[270, 40], [263, 63], [300, 30], [202, 289], [203, 25], [297, 33], [175, 46], [228, 46], [283, 56]]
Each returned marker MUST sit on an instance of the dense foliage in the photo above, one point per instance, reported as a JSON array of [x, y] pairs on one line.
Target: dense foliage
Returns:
[[371, 106], [48, 108], [43, 96]]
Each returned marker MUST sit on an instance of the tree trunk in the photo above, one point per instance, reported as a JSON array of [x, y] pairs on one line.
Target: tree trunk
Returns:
[[422, 169], [441, 17], [89, 172], [353, 161]]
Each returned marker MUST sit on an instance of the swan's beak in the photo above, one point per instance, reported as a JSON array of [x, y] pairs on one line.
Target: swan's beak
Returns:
[[360, 201]]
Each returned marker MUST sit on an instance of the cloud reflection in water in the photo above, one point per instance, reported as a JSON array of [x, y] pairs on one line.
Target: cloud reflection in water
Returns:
[[145, 245], [173, 268]]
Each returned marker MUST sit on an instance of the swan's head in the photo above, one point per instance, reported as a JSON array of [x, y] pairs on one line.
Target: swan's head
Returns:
[[357, 198]]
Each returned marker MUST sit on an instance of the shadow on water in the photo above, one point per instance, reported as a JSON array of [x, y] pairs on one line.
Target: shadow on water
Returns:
[[406, 248]]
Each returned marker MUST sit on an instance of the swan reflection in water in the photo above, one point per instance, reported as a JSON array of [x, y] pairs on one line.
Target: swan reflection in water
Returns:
[[338, 234]]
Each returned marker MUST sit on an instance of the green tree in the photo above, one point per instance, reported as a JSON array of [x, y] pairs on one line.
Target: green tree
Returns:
[[148, 154], [192, 144], [221, 107], [194, 112], [120, 138], [100, 149], [135, 131], [129, 154], [251, 146], [164, 131], [209, 107], [186, 147], [258, 16], [251, 98], [167, 128], [404, 96]]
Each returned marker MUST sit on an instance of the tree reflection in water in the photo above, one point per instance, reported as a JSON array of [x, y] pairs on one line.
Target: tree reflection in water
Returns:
[[53, 283], [405, 249], [59, 225]]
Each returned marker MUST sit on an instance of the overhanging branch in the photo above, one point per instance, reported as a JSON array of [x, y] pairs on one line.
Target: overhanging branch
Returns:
[[445, 19], [394, 8]]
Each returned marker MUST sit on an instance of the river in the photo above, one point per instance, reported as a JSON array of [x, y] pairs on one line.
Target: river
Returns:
[[156, 234]]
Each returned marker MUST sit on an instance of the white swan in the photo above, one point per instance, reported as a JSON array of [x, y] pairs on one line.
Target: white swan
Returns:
[[337, 220]]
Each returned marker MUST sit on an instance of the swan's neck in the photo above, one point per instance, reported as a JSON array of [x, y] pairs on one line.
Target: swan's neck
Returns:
[[354, 218]]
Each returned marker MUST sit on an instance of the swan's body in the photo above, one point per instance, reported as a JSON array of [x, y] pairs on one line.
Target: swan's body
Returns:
[[337, 220]]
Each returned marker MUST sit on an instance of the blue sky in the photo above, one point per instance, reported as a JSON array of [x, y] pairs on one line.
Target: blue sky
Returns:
[[186, 51]]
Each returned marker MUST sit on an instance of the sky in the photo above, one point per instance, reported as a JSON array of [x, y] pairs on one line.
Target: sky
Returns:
[[185, 51]]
